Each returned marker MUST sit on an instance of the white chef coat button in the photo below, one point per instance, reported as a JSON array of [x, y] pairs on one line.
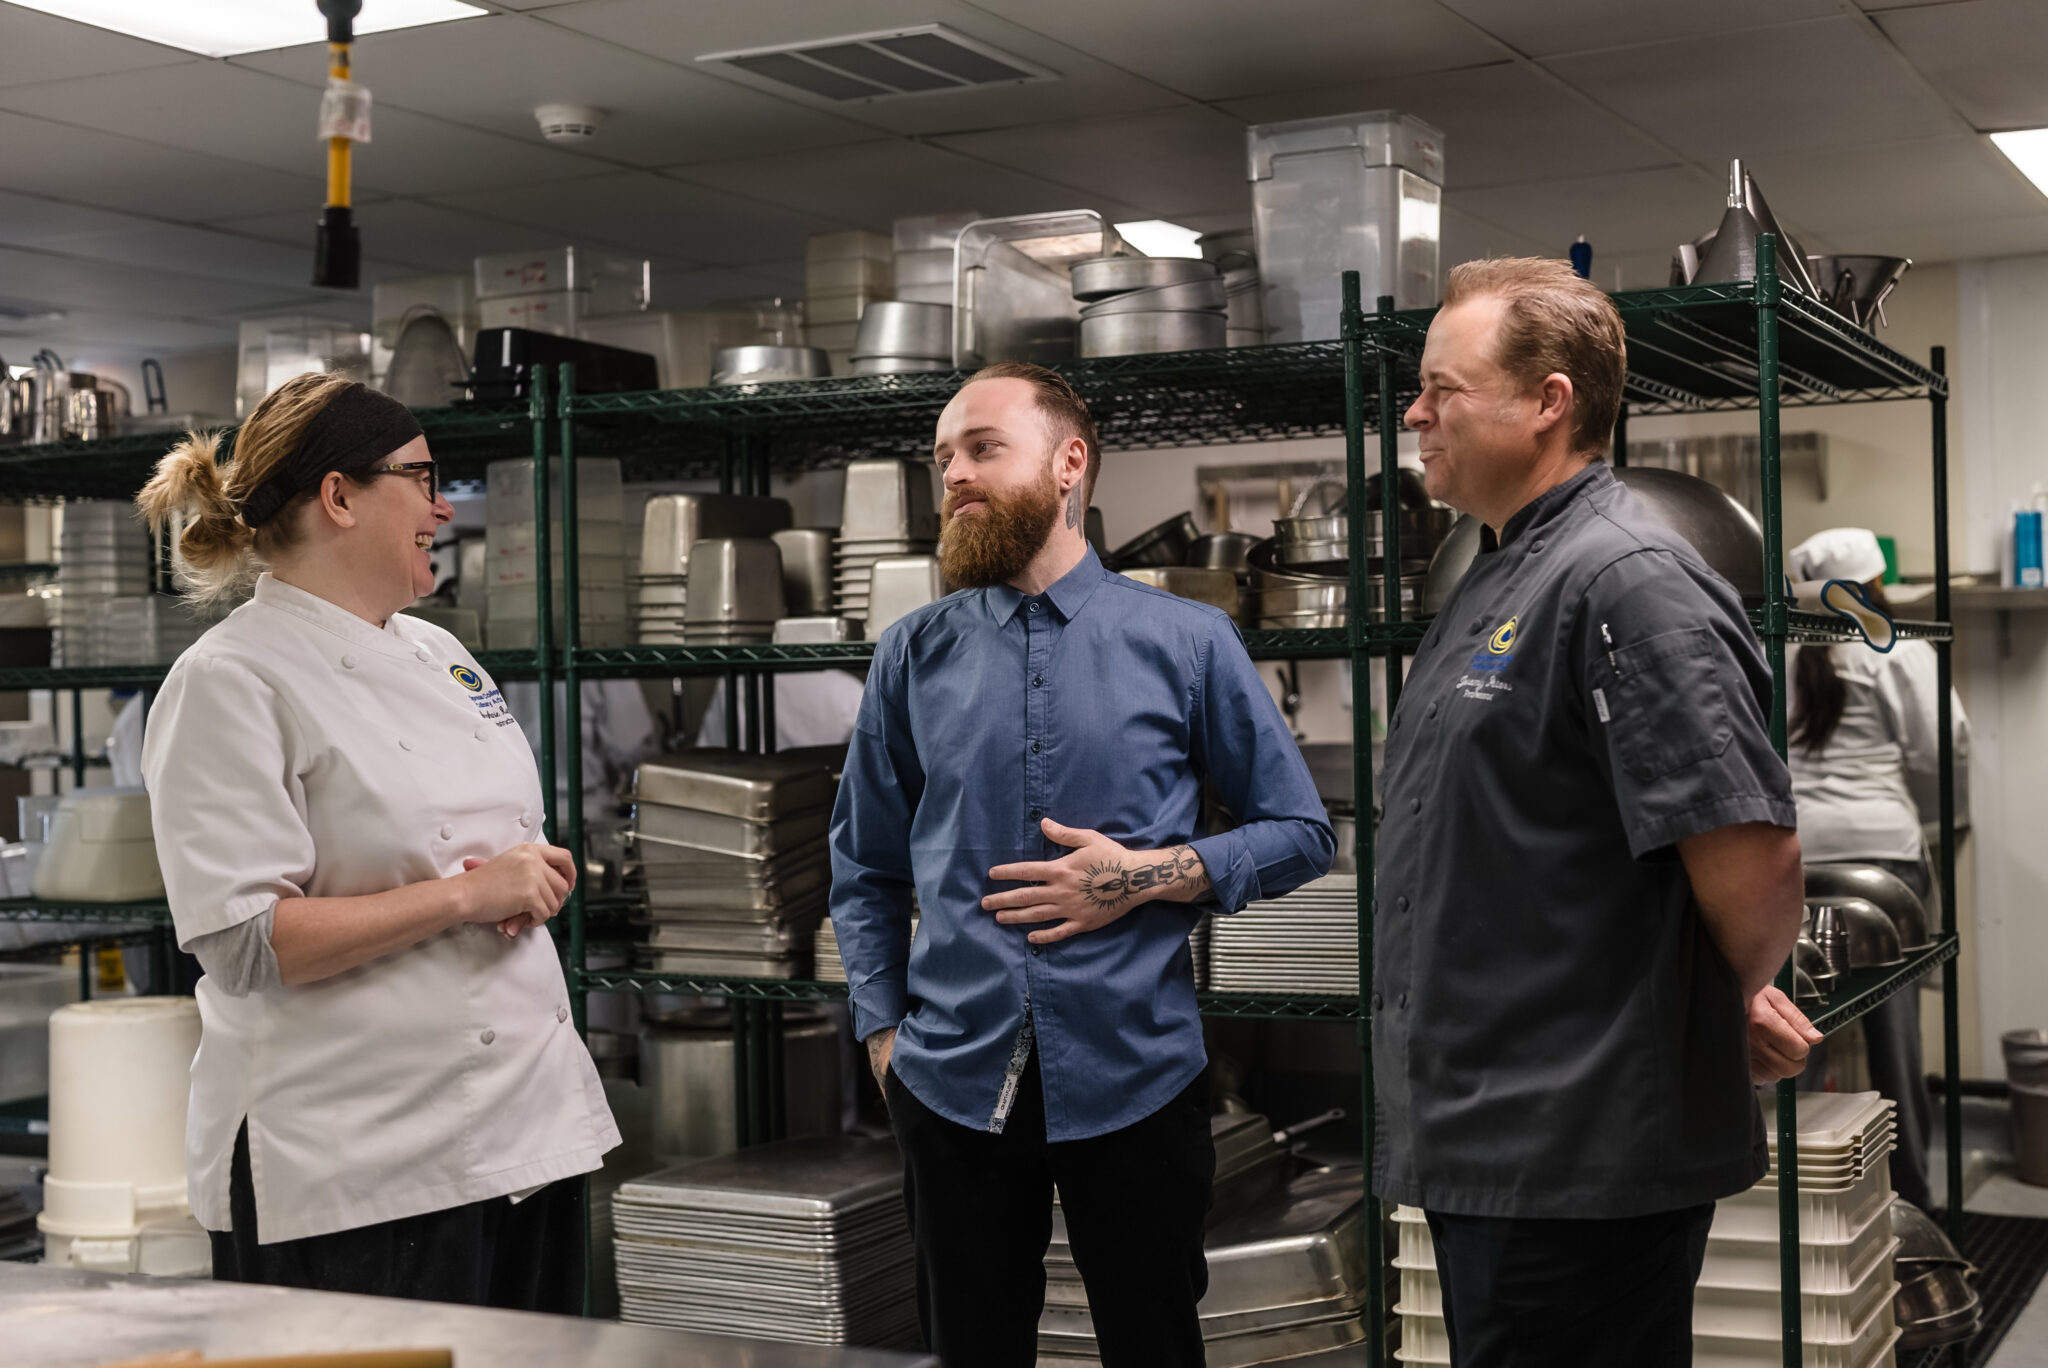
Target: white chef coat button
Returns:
[[423, 655], [561, 1013], [481, 732], [447, 833], [348, 662], [526, 819], [404, 744], [488, 1036]]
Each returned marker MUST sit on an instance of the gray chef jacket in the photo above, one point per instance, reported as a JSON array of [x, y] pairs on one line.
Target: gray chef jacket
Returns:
[[1554, 1033]]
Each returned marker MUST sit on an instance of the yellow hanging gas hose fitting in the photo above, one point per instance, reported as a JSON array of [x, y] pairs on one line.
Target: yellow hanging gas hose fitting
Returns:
[[338, 248]]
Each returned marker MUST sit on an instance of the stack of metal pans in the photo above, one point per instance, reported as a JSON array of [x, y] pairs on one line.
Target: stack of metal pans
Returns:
[[1301, 576], [671, 527], [736, 592], [803, 1241], [888, 511], [1935, 1303], [1305, 942], [733, 851], [1287, 1278], [900, 335], [1150, 304]]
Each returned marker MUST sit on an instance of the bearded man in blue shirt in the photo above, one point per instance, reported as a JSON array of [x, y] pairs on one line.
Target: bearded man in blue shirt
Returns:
[[1030, 760]]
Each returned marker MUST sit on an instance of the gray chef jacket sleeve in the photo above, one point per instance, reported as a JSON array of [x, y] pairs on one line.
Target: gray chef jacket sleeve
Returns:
[[1676, 695]]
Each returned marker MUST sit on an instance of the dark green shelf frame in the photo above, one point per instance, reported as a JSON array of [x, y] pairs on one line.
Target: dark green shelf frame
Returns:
[[1868, 988], [139, 914]]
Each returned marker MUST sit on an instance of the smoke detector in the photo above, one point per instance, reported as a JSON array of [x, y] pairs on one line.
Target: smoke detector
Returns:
[[568, 123]]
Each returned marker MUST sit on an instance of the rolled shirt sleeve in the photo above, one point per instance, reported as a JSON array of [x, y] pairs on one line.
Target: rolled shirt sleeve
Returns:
[[225, 800], [1283, 837], [873, 885], [1676, 692]]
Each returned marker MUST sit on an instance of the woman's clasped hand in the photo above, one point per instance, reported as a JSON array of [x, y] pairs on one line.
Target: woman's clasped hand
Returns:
[[519, 889]]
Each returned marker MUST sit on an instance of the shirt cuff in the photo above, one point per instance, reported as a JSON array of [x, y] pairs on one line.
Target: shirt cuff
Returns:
[[1233, 877], [1658, 833], [879, 1004]]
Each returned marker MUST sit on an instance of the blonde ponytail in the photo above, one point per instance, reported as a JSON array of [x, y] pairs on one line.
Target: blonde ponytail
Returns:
[[220, 555], [217, 553]]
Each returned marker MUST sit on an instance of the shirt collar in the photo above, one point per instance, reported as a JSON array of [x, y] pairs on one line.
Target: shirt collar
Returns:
[[1068, 593], [1547, 506], [272, 592]]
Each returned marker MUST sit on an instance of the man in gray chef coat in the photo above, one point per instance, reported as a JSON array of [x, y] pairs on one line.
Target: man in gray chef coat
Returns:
[[1589, 870]]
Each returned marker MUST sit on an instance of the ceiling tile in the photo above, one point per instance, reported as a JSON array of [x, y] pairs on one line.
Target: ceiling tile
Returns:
[[1638, 211], [655, 215], [75, 283], [1830, 83], [1963, 239], [694, 289], [1087, 86], [88, 167], [491, 73], [1466, 238], [425, 239], [873, 183], [1561, 26], [254, 117], [40, 47], [1170, 162], [1501, 123], [112, 335], [1986, 56], [1861, 194], [1222, 49], [201, 252], [26, 221]]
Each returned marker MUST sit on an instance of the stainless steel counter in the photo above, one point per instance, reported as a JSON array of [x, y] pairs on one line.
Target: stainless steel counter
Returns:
[[64, 1318]]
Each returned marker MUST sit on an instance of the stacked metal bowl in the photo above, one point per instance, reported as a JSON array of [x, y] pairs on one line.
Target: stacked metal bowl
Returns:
[[1935, 1303], [898, 336], [1131, 305], [1301, 577], [1236, 255], [888, 512], [732, 849]]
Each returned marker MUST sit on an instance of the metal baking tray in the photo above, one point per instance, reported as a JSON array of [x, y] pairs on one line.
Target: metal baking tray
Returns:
[[823, 1178], [770, 939], [759, 788], [749, 900], [714, 965], [710, 831]]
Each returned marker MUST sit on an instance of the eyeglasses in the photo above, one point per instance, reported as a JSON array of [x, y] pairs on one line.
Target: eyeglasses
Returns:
[[432, 482]]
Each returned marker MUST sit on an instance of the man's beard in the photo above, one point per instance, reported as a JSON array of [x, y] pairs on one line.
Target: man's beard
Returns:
[[995, 545]]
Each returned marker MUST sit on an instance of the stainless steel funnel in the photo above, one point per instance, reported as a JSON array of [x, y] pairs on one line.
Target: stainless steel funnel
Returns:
[[1731, 254]]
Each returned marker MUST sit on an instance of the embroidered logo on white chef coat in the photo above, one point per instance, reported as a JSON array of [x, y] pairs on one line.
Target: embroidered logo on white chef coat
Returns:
[[489, 702]]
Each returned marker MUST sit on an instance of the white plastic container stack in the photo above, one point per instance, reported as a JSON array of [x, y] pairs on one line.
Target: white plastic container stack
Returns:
[[512, 616], [924, 255], [555, 290], [103, 554], [843, 274], [1424, 1337], [114, 1200], [1845, 1248]]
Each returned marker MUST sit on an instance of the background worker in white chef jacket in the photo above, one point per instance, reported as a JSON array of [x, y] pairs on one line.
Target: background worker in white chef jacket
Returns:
[[1865, 755], [390, 1095]]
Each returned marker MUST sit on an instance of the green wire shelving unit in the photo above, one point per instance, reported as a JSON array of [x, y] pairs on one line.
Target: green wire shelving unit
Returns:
[[1696, 349]]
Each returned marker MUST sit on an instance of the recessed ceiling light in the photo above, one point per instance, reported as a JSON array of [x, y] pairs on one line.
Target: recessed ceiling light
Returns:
[[1157, 237], [2026, 148], [225, 28]]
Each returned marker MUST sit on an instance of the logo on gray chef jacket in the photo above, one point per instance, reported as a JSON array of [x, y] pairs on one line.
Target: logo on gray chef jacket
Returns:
[[1484, 683]]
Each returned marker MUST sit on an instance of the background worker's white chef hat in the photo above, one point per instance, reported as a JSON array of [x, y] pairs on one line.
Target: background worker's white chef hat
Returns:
[[1840, 553]]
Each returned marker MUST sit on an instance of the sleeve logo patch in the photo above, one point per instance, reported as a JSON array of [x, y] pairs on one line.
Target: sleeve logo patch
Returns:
[[467, 678]]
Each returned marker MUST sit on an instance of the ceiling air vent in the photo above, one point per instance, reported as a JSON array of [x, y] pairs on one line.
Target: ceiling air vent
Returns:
[[925, 60]]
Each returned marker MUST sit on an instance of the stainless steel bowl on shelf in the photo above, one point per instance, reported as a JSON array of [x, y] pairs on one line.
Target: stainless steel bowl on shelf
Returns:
[[1854, 934], [1136, 334], [902, 328], [1217, 588], [1194, 296], [1874, 884], [1104, 277], [1222, 551], [768, 365]]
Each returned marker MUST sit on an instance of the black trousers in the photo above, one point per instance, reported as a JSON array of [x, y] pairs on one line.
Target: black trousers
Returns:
[[528, 1257], [1529, 1293], [981, 1214]]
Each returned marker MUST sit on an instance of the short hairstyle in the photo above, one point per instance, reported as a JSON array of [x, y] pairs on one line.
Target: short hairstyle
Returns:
[[1555, 323], [1066, 412]]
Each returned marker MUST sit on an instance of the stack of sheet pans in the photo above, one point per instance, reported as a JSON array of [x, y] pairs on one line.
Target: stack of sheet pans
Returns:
[[828, 967], [1287, 1278], [1305, 942], [802, 1240], [732, 849]]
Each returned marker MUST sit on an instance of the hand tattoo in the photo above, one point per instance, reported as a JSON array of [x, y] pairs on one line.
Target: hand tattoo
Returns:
[[1111, 884]]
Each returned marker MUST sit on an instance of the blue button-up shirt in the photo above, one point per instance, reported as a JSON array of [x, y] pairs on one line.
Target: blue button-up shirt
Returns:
[[1103, 704]]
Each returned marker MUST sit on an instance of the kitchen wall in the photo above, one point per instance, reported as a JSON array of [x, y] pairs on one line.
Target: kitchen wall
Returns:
[[2003, 316]]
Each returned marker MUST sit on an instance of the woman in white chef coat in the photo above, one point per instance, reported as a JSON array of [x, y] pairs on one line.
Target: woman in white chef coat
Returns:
[[1865, 747], [390, 1096]]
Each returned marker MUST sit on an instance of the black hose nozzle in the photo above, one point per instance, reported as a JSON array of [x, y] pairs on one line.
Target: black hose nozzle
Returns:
[[338, 250], [341, 19]]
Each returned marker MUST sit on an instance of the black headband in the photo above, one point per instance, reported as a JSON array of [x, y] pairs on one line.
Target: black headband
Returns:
[[358, 428]]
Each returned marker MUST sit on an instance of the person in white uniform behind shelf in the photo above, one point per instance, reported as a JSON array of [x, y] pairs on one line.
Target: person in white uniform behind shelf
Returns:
[[1865, 753], [390, 1096]]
